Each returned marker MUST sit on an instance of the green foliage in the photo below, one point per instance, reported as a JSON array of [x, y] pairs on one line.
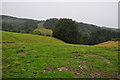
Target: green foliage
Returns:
[[19, 25], [50, 23], [40, 30], [115, 39], [67, 30], [102, 35], [82, 33]]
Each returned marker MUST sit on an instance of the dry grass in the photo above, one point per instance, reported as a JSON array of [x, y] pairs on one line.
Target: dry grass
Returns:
[[109, 44]]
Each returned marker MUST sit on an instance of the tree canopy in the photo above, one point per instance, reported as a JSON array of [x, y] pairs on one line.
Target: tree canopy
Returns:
[[67, 30], [80, 33], [50, 23], [19, 25]]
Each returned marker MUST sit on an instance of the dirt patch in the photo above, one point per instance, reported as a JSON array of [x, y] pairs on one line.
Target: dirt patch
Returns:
[[66, 60], [106, 60], [82, 61], [49, 69], [22, 53], [59, 69], [62, 68], [82, 67], [74, 53]]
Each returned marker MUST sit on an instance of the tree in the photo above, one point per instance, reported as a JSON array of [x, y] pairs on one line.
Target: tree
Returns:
[[19, 25], [67, 30], [100, 36], [50, 23]]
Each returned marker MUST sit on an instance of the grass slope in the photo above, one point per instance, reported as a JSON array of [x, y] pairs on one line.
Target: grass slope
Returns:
[[41, 30], [109, 44], [34, 56]]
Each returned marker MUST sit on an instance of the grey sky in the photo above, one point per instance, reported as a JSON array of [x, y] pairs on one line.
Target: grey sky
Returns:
[[99, 13]]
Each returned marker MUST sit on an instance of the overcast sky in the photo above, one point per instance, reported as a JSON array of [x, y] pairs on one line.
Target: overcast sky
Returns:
[[98, 13]]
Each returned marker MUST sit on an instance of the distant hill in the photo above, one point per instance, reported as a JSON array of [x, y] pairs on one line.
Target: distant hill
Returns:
[[6, 18], [50, 24], [90, 33], [93, 28], [14, 24], [111, 29], [20, 25]]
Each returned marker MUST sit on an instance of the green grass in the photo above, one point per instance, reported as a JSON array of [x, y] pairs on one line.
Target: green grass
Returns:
[[42, 31], [44, 55]]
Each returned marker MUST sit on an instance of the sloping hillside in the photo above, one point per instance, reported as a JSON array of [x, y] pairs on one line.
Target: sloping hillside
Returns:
[[6, 18], [20, 25], [109, 44], [27, 38], [40, 30], [90, 34], [33, 56]]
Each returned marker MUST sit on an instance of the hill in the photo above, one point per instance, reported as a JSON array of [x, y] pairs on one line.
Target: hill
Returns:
[[40, 30], [23, 25], [93, 28], [89, 34], [20, 25], [11, 37], [109, 44], [85, 27], [6, 18], [34, 56], [48, 24]]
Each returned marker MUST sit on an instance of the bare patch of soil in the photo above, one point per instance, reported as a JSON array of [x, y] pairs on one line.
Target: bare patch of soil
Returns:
[[49, 69], [22, 53], [66, 60], [106, 60], [82, 67], [74, 53], [62, 68], [82, 61]]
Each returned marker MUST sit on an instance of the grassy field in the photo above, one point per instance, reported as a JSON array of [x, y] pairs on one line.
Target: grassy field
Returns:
[[34, 56], [42, 31]]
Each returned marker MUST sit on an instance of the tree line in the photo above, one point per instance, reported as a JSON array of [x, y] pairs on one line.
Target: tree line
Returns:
[[19, 25], [80, 33]]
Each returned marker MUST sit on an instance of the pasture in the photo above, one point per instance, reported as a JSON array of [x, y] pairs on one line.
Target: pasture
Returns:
[[34, 56]]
